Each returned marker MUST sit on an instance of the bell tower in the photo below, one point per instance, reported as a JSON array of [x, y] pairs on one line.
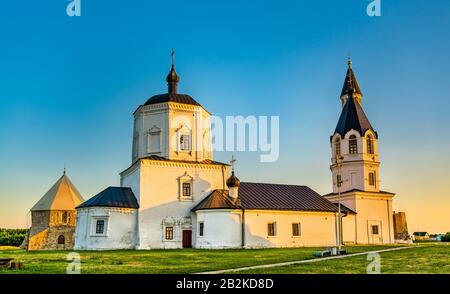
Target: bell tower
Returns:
[[354, 161]]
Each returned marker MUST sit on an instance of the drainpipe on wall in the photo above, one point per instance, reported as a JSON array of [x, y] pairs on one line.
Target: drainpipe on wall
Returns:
[[243, 228], [389, 221]]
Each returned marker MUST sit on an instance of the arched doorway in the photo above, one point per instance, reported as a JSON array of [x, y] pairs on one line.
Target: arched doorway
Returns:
[[61, 241]]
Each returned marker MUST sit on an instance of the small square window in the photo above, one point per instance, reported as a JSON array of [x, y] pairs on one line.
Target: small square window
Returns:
[[169, 233], [186, 189], [296, 229], [271, 229], [375, 230], [201, 227], [100, 227]]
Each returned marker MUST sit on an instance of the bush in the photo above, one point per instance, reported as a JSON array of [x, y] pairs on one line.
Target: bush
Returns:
[[446, 237], [12, 237]]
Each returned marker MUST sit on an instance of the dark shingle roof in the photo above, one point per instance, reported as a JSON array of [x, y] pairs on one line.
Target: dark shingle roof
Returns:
[[268, 197], [353, 117], [112, 197], [172, 97], [350, 83], [218, 199]]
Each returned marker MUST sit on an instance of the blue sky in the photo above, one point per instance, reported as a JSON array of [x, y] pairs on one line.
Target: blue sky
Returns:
[[69, 86]]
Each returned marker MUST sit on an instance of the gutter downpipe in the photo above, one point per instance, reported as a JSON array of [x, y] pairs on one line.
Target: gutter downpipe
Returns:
[[243, 229]]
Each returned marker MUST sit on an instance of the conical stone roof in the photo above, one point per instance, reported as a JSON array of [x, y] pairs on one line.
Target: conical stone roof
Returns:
[[62, 196]]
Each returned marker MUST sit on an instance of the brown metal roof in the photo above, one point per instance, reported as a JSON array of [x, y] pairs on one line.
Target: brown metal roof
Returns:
[[218, 199], [268, 197], [206, 161], [172, 97], [358, 190], [160, 158]]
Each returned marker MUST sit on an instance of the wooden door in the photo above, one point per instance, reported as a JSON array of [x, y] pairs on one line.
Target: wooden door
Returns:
[[187, 238]]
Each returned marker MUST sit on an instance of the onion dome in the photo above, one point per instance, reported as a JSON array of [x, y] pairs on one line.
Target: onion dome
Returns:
[[233, 181], [172, 78]]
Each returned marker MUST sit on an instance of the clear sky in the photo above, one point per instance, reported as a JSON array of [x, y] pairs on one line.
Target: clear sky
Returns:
[[69, 86]]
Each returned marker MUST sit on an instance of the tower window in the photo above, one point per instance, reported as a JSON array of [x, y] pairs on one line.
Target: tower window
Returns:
[[372, 179], [339, 180], [337, 147], [185, 142], [154, 142], [353, 145], [369, 142], [169, 233]]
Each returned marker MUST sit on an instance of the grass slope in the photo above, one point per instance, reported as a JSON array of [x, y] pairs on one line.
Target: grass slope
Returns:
[[160, 261], [423, 259]]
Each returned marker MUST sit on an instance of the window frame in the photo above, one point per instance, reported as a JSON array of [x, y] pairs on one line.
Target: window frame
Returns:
[[377, 229], [183, 146], [201, 229], [337, 147], [372, 179], [100, 229], [94, 230], [271, 229], [353, 144], [152, 134], [339, 180], [186, 187], [370, 145], [299, 229], [169, 231]]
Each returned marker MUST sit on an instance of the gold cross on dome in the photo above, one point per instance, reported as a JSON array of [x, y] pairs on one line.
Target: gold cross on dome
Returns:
[[233, 162], [173, 56]]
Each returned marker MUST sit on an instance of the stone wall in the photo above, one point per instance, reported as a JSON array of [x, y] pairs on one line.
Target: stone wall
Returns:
[[400, 226], [49, 226]]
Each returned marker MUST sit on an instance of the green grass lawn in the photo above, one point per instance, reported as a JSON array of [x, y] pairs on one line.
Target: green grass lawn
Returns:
[[422, 259], [160, 261]]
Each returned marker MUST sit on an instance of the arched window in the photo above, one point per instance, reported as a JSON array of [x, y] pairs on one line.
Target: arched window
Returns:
[[337, 147], [369, 142], [352, 145], [61, 240]]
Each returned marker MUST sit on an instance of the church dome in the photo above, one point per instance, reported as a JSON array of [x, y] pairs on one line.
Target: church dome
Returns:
[[233, 181], [172, 77]]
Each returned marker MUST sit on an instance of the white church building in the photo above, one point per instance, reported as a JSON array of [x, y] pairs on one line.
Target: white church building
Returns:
[[174, 195]]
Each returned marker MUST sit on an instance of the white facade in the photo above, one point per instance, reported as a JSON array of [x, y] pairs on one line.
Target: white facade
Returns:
[[119, 228], [158, 187], [158, 129], [223, 229], [373, 210]]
